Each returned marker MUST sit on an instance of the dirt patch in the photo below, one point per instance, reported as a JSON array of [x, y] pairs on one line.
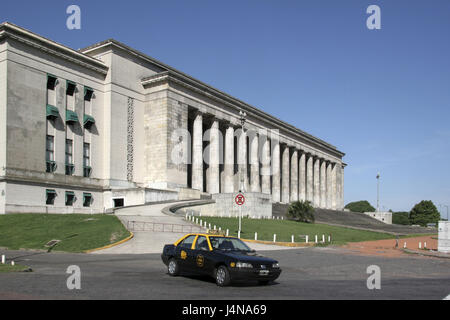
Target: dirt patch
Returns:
[[114, 237], [387, 248]]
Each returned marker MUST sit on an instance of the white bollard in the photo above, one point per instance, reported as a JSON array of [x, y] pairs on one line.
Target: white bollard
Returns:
[[274, 238], [256, 236], [3, 259], [239, 234], [13, 263], [425, 245], [220, 228], [307, 239], [292, 239], [201, 222], [215, 228], [196, 220], [228, 233], [323, 238], [317, 239], [205, 224], [209, 226], [404, 245], [420, 245]]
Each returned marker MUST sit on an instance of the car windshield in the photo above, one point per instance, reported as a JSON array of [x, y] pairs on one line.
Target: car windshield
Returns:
[[230, 244]]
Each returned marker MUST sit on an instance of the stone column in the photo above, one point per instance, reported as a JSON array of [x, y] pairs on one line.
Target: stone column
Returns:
[[329, 185], [285, 176], [242, 161], [214, 158], [197, 153], [309, 179], [302, 177], [276, 177], [342, 188], [254, 164], [333, 186], [229, 160], [317, 182], [266, 172], [323, 184], [294, 176]]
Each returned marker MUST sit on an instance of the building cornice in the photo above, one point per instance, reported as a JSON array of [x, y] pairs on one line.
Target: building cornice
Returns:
[[217, 95], [9, 30]]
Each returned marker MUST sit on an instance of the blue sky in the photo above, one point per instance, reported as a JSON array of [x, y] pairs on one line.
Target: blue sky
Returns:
[[381, 96]]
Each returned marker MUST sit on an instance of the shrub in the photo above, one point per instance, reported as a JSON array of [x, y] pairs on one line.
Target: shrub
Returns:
[[423, 213], [401, 218], [301, 211], [360, 206]]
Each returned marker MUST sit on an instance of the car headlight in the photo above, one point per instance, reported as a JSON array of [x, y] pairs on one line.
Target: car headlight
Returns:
[[276, 265], [243, 265]]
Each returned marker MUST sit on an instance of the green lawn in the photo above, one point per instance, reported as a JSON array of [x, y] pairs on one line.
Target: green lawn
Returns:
[[77, 232], [9, 268], [285, 229]]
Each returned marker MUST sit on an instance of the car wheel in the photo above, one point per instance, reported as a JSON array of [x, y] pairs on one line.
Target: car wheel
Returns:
[[223, 278], [173, 268]]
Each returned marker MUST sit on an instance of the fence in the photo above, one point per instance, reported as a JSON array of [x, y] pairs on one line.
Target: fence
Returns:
[[162, 227]]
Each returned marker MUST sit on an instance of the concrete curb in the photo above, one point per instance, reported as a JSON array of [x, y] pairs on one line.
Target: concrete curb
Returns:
[[427, 254], [112, 245], [282, 244], [171, 210]]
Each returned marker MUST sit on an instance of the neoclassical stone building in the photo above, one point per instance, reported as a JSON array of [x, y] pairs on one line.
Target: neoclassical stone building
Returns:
[[107, 126]]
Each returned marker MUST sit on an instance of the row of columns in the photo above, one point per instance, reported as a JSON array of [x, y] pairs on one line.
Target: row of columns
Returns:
[[287, 173]]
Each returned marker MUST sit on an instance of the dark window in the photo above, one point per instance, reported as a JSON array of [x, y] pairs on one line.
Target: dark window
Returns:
[[70, 198], [51, 82], [187, 243], [87, 199], [71, 86], [88, 92], [50, 154], [69, 157], [50, 197], [202, 243], [118, 203]]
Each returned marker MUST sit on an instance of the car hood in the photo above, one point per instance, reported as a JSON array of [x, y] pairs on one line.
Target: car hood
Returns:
[[247, 257]]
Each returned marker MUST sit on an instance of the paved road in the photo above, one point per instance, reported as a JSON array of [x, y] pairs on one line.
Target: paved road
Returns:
[[151, 241], [312, 273]]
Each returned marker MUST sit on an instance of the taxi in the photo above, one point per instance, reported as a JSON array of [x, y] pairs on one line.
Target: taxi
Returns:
[[226, 259]]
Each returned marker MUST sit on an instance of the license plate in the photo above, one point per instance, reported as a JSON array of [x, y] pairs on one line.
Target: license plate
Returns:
[[264, 272]]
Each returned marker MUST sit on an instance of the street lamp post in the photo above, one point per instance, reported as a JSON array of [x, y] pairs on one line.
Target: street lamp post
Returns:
[[378, 192], [242, 118]]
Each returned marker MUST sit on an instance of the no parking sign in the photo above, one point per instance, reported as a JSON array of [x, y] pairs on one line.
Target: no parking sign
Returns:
[[240, 199]]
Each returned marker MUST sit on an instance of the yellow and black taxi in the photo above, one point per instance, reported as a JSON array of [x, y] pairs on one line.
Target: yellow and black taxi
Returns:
[[226, 259]]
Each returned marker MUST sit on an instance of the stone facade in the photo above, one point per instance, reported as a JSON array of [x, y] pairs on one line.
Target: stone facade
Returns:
[[155, 134]]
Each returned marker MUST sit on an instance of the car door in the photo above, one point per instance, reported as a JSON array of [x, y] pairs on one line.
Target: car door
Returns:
[[184, 253], [202, 256]]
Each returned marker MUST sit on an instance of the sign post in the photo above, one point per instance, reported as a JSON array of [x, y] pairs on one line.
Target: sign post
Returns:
[[240, 200]]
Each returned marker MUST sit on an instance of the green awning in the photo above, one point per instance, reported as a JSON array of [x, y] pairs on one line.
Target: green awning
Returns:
[[52, 111], [88, 120], [70, 193], [71, 116], [48, 191]]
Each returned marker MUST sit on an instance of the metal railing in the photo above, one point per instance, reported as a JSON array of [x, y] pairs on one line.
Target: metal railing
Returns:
[[162, 227]]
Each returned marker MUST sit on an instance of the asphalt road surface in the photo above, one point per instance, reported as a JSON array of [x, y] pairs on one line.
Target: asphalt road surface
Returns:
[[311, 273]]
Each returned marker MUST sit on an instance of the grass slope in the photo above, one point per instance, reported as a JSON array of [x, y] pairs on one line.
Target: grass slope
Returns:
[[285, 229], [78, 232], [9, 268]]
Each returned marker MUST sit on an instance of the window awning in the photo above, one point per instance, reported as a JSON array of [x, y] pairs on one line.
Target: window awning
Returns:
[[48, 191], [70, 193], [88, 92], [88, 120], [71, 116], [52, 112]]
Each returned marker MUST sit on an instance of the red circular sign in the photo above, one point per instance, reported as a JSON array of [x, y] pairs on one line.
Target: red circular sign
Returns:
[[240, 199]]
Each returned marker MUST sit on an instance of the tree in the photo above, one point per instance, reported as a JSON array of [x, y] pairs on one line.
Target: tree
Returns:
[[423, 213], [360, 206], [301, 211], [401, 218]]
